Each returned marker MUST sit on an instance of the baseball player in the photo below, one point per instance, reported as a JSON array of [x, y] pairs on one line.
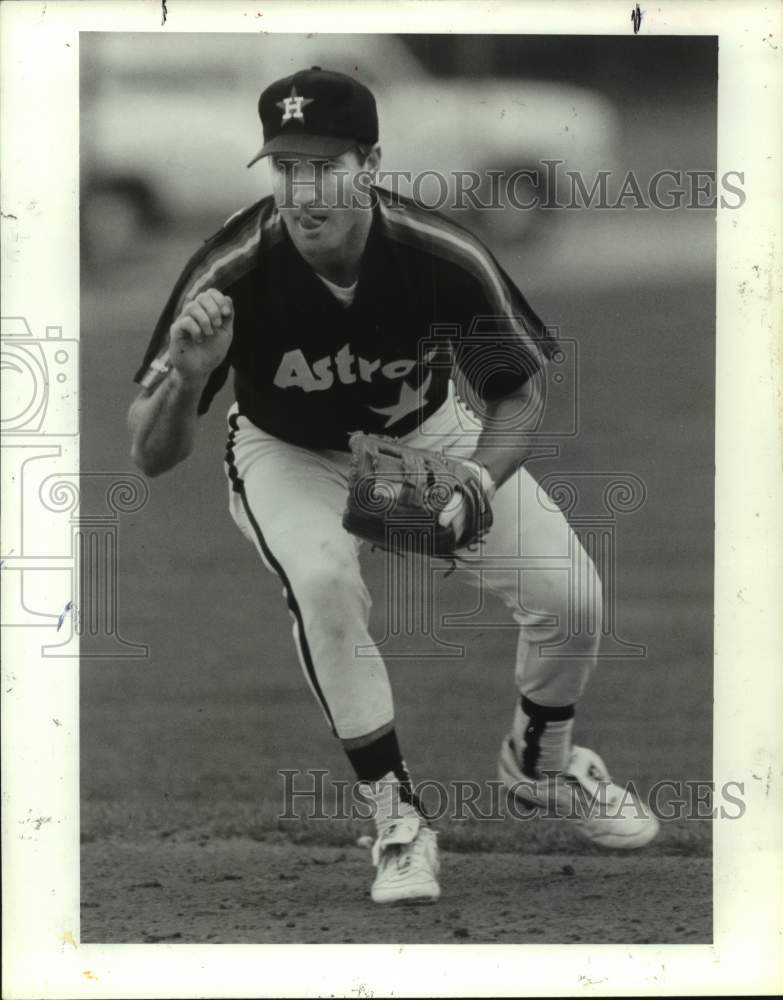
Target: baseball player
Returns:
[[334, 302]]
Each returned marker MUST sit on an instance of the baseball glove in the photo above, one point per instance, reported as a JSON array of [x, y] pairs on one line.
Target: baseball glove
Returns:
[[397, 494]]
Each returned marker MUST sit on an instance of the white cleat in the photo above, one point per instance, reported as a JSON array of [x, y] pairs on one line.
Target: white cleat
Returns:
[[406, 856], [602, 812]]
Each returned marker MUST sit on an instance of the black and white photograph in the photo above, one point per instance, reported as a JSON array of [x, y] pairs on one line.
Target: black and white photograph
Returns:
[[467, 314], [391, 578]]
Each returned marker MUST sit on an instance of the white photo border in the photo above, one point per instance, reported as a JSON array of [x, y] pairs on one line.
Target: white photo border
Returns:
[[42, 953]]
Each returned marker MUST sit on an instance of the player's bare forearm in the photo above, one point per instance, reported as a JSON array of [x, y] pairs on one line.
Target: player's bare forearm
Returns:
[[163, 423], [503, 444]]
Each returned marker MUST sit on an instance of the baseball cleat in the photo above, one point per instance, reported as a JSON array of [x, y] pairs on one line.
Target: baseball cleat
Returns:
[[406, 856], [602, 812]]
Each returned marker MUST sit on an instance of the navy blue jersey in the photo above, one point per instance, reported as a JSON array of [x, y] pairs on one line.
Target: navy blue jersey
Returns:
[[310, 370]]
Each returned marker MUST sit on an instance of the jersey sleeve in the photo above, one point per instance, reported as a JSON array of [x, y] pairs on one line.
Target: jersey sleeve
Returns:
[[155, 364], [504, 343], [222, 262]]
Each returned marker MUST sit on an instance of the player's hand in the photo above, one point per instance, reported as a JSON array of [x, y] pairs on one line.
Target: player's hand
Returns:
[[201, 335], [455, 512]]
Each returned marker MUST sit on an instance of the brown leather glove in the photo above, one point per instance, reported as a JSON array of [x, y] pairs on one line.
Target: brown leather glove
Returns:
[[396, 496]]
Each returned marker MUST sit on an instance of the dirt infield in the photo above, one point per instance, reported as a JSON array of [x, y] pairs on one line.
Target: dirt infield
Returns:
[[243, 891]]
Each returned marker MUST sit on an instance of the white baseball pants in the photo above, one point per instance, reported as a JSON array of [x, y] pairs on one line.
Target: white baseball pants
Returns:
[[288, 501]]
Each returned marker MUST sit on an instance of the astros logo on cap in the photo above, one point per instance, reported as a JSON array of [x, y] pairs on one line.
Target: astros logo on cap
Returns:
[[292, 106]]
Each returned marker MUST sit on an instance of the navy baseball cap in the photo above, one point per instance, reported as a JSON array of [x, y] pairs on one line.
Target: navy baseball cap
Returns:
[[316, 112]]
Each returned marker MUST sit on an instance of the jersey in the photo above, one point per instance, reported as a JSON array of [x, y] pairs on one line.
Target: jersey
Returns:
[[431, 300]]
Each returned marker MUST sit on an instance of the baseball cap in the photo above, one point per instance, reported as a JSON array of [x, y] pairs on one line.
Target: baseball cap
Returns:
[[316, 112]]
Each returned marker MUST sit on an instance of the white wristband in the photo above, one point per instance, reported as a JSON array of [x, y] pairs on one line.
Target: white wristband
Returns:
[[157, 371]]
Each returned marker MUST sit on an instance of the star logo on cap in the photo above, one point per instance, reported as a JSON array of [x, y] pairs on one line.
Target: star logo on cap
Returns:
[[293, 106]]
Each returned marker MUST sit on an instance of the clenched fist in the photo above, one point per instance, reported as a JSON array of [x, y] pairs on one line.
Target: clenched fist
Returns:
[[201, 335]]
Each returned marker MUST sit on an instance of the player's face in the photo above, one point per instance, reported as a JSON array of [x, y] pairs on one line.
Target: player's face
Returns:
[[321, 201]]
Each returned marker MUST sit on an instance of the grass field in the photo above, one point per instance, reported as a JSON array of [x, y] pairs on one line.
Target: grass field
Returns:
[[187, 743]]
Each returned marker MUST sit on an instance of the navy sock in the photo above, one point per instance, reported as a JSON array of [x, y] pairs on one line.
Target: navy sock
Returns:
[[374, 760], [541, 736]]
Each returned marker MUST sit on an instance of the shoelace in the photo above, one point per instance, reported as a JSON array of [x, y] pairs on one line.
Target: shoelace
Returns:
[[599, 789], [383, 828], [404, 856]]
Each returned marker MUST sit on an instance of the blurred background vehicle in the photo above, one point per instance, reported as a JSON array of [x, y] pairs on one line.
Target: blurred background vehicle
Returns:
[[167, 129], [169, 122]]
